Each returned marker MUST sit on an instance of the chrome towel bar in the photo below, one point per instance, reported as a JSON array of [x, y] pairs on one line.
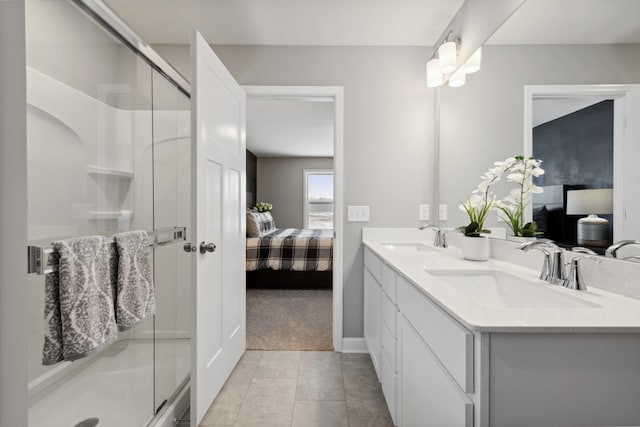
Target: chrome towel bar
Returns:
[[40, 262]]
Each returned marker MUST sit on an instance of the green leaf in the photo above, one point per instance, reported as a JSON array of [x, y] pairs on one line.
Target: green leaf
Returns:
[[471, 228]]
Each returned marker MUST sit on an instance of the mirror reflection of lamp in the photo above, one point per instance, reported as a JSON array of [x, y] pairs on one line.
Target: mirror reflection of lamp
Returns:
[[592, 230]]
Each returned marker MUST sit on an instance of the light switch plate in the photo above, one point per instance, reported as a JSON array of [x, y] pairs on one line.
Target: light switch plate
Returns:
[[423, 212], [442, 213], [358, 213]]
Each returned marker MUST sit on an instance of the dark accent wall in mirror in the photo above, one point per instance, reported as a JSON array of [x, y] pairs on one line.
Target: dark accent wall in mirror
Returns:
[[577, 147], [252, 178]]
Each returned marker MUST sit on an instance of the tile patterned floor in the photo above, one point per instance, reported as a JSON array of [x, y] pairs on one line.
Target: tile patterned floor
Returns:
[[300, 389]]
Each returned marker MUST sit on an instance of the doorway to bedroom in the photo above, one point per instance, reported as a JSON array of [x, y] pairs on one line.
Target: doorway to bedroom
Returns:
[[294, 218]]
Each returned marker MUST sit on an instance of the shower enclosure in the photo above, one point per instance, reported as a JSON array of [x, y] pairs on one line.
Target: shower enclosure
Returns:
[[108, 151]]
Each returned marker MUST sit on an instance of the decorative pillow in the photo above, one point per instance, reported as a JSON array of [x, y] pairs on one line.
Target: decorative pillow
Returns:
[[259, 223]]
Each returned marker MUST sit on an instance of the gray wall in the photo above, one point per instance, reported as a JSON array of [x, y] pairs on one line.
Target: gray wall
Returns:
[[388, 131], [281, 183], [484, 121], [13, 216]]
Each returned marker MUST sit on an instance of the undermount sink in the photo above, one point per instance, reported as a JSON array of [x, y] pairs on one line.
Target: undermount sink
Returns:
[[407, 247], [493, 288]]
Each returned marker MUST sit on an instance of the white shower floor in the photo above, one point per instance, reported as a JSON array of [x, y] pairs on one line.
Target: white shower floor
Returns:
[[117, 387]]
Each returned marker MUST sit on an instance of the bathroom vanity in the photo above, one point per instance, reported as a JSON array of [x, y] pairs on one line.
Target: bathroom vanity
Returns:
[[461, 343]]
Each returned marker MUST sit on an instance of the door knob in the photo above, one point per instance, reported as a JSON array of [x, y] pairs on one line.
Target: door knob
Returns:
[[207, 247], [188, 247]]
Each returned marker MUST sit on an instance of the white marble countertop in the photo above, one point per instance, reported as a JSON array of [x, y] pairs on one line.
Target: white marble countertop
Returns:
[[612, 312]]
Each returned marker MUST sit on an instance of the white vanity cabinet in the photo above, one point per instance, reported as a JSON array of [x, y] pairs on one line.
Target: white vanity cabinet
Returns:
[[428, 396], [372, 325], [447, 358], [380, 324], [436, 364], [424, 358]]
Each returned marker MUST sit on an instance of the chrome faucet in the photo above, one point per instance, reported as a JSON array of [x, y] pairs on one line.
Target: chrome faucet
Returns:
[[582, 250], [574, 279], [553, 267], [440, 240], [612, 251]]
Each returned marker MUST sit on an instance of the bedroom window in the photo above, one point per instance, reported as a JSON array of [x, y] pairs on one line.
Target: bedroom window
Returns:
[[318, 199]]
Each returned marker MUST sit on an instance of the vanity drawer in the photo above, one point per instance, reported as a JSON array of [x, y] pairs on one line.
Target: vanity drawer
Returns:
[[388, 344], [389, 315], [449, 341], [373, 264], [389, 282]]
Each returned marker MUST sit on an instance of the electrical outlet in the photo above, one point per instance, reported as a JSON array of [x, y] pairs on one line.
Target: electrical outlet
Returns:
[[423, 212], [442, 213], [358, 213]]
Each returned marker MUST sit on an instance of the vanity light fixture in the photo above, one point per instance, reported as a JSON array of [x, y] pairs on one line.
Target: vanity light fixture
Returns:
[[473, 63], [434, 73], [443, 64], [458, 78], [448, 56]]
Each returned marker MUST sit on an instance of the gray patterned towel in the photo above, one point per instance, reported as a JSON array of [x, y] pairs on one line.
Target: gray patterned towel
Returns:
[[135, 298], [79, 304]]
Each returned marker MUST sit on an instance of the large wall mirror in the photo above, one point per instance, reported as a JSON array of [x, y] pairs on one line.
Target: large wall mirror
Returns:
[[559, 81]]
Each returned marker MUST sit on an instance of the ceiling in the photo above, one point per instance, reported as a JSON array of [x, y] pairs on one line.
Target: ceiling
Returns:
[[290, 127], [290, 22], [572, 22], [547, 109]]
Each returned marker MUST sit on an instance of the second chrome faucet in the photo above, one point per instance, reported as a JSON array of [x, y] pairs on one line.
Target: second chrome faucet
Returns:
[[553, 266]]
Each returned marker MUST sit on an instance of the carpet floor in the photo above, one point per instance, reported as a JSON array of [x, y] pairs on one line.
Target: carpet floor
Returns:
[[289, 319]]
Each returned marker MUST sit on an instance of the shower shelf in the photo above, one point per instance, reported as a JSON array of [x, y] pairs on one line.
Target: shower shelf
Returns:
[[99, 170], [110, 214]]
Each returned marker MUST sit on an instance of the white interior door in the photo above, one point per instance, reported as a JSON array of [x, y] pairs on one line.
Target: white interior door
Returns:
[[218, 188]]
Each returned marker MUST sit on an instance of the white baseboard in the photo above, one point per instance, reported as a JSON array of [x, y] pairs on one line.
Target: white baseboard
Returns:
[[354, 345]]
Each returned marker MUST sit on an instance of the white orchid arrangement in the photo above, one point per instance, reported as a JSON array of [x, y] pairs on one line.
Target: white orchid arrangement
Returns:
[[513, 205], [482, 199], [264, 207]]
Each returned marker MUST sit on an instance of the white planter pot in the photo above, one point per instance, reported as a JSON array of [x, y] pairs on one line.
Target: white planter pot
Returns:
[[475, 248]]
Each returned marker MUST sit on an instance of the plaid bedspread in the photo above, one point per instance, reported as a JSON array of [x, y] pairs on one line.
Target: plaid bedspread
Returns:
[[291, 249]]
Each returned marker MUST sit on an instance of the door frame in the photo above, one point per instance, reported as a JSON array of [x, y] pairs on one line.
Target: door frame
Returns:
[[618, 93], [337, 93]]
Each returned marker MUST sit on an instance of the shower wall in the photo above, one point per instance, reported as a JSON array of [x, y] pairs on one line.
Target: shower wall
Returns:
[[108, 151]]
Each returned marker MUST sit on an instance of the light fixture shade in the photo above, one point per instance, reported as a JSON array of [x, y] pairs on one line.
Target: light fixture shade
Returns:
[[473, 63], [458, 78], [590, 201], [447, 53], [434, 74]]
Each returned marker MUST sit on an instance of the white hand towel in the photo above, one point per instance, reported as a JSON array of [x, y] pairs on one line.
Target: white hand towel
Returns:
[[135, 298]]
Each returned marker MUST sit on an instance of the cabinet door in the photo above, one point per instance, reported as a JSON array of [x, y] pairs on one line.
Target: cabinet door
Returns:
[[428, 396], [372, 319]]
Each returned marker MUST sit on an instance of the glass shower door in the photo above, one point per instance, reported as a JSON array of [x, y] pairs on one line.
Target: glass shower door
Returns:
[[171, 189], [108, 151], [89, 114]]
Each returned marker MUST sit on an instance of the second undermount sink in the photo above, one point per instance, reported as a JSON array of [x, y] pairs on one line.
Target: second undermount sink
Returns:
[[407, 247], [493, 288]]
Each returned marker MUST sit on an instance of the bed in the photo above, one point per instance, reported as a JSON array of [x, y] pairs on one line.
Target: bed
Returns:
[[287, 257]]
